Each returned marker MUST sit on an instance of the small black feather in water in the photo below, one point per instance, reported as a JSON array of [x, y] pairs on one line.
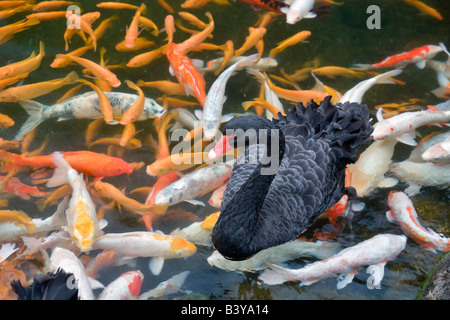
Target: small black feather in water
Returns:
[[50, 286]]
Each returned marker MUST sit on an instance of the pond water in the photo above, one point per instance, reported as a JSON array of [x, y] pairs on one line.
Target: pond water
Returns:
[[340, 38]]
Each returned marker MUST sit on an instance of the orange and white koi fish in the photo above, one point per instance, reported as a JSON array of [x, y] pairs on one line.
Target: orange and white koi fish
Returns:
[[139, 43], [24, 66], [425, 8], [419, 56], [66, 260], [255, 34], [147, 244], [10, 231], [277, 255], [8, 31], [426, 142], [170, 286], [81, 215], [97, 70], [11, 186], [132, 31], [439, 152], [402, 126], [403, 213], [291, 41], [199, 232], [126, 287], [374, 252], [144, 58]]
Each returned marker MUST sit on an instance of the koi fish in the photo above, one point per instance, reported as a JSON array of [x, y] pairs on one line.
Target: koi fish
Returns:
[[126, 287], [199, 232], [13, 186], [5, 121], [262, 64], [52, 5], [119, 6], [63, 61], [211, 116], [7, 32], [419, 56], [298, 10], [255, 34], [194, 184], [139, 43], [105, 105], [193, 20], [18, 217], [356, 93], [195, 4], [426, 142], [149, 24], [402, 126], [134, 112], [81, 215], [10, 231], [276, 255], [175, 162], [24, 66], [439, 152], [421, 174], [132, 31], [272, 5], [291, 41], [144, 58], [84, 106], [171, 285], [9, 81], [425, 8], [217, 196], [194, 40], [403, 213], [166, 86], [443, 91], [60, 239], [147, 244], [45, 16], [333, 72], [66, 260], [374, 252], [368, 172]]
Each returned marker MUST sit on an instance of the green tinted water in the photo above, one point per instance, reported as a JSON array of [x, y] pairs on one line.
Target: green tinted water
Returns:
[[340, 39]]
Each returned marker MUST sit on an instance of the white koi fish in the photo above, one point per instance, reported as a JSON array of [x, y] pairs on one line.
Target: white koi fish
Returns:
[[443, 91], [421, 174], [171, 285], [403, 213], [374, 252], [10, 231], [82, 223], [211, 116], [126, 287], [368, 172], [84, 106], [298, 10], [264, 63], [356, 93], [217, 196], [427, 142], [68, 261], [147, 244], [438, 66], [194, 184], [439, 152], [402, 126], [56, 239], [276, 255]]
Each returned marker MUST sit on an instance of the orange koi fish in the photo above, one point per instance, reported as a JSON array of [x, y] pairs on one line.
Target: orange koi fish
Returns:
[[425, 8], [175, 162], [196, 39], [103, 101], [228, 54], [11, 4], [195, 4], [102, 27], [64, 61], [255, 34], [118, 6], [139, 43], [45, 16], [147, 23], [333, 71], [8, 31], [136, 109], [291, 41], [30, 91], [144, 58], [24, 66], [52, 5], [5, 121], [9, 81], [165, 86], [193, 20], [132, 31], [13, 186], [87, 162], [166, 6]]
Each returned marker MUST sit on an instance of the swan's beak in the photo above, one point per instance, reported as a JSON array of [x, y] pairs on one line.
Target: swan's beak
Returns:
[[220, 148]]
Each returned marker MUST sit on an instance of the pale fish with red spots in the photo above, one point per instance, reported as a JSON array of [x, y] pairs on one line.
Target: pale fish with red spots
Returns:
[[147, 244], [125, 287], [81, 215], [403, 213], [374, 252], [439, 152]]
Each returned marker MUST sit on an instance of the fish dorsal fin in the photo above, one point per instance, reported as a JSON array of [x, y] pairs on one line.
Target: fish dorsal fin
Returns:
[[380, 114], [155, 265], [406, 138]]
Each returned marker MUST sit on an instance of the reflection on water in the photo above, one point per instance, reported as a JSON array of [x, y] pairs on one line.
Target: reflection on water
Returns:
[[340, 39]]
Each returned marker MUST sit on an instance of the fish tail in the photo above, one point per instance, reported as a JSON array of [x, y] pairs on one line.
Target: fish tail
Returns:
[[275, 275], [360, 67], [72, 77], [36, 116], [32, 244], [59, 176], [384, 77], [6, 250]]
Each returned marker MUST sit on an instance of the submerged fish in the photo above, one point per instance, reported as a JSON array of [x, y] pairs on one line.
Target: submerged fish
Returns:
[[84, 106], [125, 287]]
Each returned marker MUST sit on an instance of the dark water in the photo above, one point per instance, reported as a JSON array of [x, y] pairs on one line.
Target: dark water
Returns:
[[339, 39]]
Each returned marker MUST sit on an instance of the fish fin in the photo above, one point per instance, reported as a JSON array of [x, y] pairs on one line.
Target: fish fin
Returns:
[[195, 202], [34, 110], [226, 118], [389, 216], [440, 92], [377, 274], [102, 223], [171, 72], [412, 190], [310, 15], [276, 275], [361, 66], [284, 10], [344, 279], [198, 63], [95, 284], [358, 206], [32, 244], [63, 119], [199, 114], [406, 138], [59, 175], [6, 250], [387, 182], [421, 64], [155, 265], [380, 114], [384, 77]]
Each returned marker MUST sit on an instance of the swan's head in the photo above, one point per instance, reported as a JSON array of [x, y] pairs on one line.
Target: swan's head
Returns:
[[241, 132]]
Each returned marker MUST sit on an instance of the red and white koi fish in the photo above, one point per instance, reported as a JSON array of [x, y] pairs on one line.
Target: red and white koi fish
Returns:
[[125, 287], [374, 252], [13, 187], [356, 93], [65, 259], [403, 213], [6, 250], [147, 244], [402, 126], [171, 285], [277, 255], [298, 10], [10, 231], [419, 56], [211, 116], [439, 152], [81, 215]]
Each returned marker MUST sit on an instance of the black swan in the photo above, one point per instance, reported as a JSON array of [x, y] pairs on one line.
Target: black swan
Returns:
[[315, 145]]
